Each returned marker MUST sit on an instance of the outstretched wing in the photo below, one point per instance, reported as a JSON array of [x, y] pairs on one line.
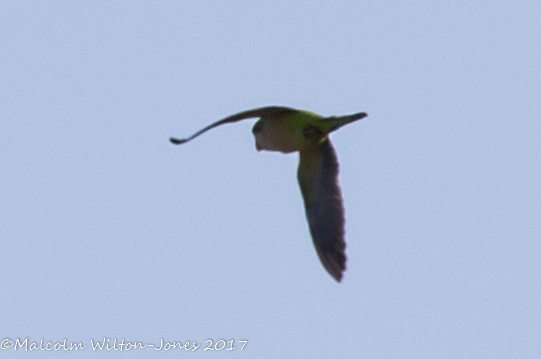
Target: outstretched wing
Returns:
[[318, 179], [258, 112]]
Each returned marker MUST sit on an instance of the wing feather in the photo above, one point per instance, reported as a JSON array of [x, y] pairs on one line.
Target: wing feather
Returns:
[[258, 112], [318, 179]]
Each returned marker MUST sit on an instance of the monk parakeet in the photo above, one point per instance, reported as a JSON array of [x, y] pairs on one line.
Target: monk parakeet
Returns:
[[288, 130]]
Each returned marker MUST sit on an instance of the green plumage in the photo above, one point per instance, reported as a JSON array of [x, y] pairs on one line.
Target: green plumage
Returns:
[[288, 130]]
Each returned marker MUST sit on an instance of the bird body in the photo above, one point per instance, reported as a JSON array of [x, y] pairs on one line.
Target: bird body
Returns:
[[287, 130], [276, 135]]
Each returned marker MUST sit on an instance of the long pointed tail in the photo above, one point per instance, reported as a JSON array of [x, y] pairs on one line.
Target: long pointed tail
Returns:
[[339, 121]]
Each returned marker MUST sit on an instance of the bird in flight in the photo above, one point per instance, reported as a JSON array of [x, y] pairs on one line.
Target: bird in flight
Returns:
[[289, 130]]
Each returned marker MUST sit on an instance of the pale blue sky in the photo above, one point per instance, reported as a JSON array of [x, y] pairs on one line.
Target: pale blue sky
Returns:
[[108, 230]]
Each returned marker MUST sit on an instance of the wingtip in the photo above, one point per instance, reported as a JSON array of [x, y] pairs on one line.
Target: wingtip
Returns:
[[176, 141], [338, 277], [336, 269], [334, 262]]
